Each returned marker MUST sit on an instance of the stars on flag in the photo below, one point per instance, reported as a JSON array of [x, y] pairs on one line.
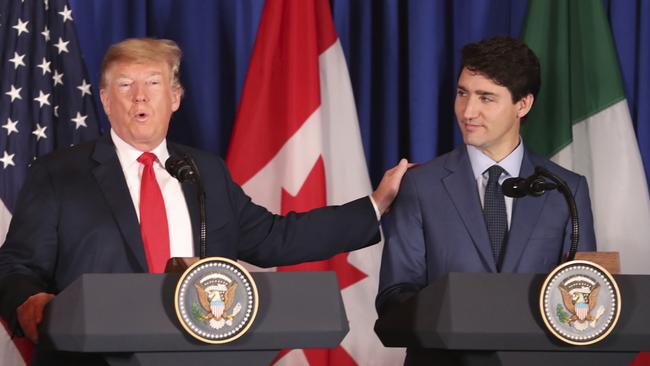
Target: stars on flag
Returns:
[[17, 60], [84, 87], [10, 126], [66, 14], [45, 87], [62, 46], [7, 160], [42, 98], [39, 132], [45, 66], [46, 34], [79, 121], [21, 27], [14, 93], [57, 78]]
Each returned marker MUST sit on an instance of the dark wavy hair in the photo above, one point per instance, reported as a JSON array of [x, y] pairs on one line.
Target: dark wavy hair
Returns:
[[506, 61]]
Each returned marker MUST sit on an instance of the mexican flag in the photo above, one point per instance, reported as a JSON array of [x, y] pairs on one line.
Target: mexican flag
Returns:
[[581, 120], [296, 145]]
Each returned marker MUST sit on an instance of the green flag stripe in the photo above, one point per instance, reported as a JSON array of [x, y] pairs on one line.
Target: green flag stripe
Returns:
[[580, 72]]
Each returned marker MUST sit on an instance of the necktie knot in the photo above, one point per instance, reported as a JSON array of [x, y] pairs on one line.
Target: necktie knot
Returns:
[[494, 173], [147, 158]]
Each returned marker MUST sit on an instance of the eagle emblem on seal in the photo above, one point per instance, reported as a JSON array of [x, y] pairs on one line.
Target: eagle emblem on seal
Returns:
[[217, 300], [580, 299]]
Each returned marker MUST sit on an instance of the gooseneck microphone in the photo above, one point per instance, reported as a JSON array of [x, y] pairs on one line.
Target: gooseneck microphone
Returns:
[[531, 186], [185, 170], [536, 186]]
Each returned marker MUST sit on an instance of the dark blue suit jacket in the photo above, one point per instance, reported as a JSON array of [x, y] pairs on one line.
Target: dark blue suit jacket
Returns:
[[436, 226], [75, 215]]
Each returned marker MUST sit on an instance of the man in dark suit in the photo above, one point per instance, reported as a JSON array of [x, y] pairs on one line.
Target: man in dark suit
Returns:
[[85, 209], [450, 214]]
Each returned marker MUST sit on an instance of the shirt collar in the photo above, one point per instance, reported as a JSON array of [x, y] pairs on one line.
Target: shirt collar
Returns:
[[129, 155], [481, 162]]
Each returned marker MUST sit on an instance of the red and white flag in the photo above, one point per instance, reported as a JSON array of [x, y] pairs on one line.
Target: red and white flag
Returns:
[[296, 145]]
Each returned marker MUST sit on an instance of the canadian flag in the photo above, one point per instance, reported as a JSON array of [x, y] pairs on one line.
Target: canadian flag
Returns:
[[296, 145]]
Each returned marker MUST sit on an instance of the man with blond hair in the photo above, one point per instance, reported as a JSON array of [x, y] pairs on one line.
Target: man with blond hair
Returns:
[[110, 205]]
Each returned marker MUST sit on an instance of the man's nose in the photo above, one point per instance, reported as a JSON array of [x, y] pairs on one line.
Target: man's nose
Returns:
[[139, 93], [470, 110]]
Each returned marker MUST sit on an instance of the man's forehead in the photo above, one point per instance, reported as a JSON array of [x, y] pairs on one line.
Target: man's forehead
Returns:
[[131, 68], [477, 82]]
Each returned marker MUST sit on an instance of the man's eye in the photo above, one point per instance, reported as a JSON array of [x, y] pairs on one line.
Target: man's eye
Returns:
[[461, 93], [485, 99]]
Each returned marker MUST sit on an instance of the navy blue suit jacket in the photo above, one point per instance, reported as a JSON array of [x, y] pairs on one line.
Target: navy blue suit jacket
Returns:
[[75, 215], [436, 226]]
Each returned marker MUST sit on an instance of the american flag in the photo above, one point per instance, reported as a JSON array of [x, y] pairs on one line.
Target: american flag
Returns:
[[46, 100]]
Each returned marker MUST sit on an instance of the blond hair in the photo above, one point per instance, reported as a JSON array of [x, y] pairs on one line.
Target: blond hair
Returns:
[[144, 50]]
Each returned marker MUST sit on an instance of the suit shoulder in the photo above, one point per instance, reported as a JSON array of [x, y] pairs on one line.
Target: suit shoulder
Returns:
[[207, 162], [432, 169], [67, 156], [570, 177], [180, 149]]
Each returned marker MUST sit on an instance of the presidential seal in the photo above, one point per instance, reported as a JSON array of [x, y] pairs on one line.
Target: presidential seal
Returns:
[[216, 300], [580, 302]]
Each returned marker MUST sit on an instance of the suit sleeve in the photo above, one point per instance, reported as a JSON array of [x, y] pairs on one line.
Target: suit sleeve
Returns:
[[403, 262], [28, 256], [268, 240], [587, 236]]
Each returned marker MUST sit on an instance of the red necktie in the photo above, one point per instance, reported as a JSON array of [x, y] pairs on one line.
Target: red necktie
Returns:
[[153, 217]]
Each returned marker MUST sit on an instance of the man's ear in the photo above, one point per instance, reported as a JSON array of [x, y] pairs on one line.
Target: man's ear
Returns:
[[524, 105], [105, 101], [177, 93]]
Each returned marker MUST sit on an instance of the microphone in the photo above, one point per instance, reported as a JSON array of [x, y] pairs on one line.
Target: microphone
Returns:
[[182, 168], [535, 185]]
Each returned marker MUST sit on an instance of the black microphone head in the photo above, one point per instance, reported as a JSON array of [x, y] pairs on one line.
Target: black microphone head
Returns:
[[514, 187], [537, 186], [180, 169]]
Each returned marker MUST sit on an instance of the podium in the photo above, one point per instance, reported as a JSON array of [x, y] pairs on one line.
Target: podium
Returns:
[[129, 319], [494, 319]]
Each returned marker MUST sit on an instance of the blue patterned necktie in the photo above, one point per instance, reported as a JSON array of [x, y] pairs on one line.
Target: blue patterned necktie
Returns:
[[494, 210]]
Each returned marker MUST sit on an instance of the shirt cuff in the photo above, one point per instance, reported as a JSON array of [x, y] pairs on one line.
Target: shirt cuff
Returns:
[[374, 205]]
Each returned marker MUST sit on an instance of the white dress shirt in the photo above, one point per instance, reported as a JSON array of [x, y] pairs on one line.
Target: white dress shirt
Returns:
[[178, 215], [481, 162]]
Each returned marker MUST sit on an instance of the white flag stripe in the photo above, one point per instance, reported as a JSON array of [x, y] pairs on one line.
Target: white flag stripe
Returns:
[[289, 168], [343, 155], [604, 150], [348, 179], [8, 350], [5, 220]]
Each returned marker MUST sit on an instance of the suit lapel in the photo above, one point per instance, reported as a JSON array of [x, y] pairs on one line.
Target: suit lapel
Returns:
[[111, 181], [525, 215], [461, 187]]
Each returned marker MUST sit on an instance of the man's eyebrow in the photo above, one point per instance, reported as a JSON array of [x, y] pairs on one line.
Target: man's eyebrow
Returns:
[[153, 73], [479, 92], [485, 93]]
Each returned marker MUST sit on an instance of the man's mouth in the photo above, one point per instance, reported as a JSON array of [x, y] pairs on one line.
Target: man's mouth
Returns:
[[471, 125], [141, 116]]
